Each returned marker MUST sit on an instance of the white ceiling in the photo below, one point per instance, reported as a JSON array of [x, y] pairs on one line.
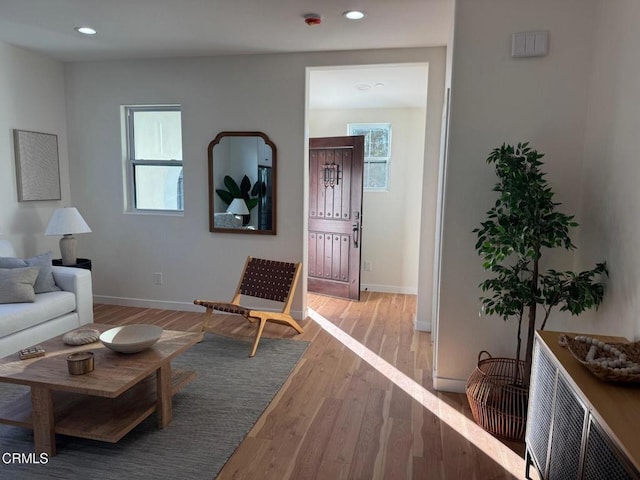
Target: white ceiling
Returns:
[[172, 28], [133, 29], [374, 86]]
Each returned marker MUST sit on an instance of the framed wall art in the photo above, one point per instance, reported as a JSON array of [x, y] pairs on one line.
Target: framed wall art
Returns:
[[37, 166]]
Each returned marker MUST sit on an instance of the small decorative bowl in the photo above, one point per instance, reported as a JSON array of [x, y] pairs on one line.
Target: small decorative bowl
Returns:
[[81, 336], [80, 362], [131, 338]]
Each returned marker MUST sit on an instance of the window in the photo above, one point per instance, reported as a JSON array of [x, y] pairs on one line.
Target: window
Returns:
[[154, 155], [377, 153]]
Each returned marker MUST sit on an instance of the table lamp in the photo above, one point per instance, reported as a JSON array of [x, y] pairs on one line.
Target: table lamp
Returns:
[[67, 221], [238, 207]]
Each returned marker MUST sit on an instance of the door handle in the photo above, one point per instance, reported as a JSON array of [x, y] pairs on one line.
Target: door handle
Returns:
[[356, 233]]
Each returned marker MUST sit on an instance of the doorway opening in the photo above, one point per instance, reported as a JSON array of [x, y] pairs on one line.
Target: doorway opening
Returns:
[[341, 99]]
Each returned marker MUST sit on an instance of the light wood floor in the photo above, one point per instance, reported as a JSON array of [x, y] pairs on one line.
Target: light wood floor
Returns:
[[338, 417]]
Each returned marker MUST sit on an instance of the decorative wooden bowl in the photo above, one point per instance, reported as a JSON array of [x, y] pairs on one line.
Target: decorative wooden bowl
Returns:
[[131, 338], [581, 349]]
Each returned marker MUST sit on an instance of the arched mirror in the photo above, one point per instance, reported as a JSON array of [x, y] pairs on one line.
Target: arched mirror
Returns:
[[242, 183]]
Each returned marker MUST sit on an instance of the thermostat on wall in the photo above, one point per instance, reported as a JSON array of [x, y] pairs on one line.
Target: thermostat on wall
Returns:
[[530, 44]]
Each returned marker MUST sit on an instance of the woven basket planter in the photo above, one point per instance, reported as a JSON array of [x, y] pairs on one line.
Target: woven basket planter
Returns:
[[498, 401]]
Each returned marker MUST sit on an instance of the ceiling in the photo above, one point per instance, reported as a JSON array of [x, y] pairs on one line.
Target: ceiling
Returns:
[[372, 86], [135, 29], [175, 28]]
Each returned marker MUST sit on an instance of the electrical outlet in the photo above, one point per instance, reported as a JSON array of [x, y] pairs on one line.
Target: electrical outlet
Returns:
[[157, 278], [368, 266]]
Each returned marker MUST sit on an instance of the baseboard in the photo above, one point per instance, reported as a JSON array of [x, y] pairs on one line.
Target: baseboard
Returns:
[[423, 325], [453, 385], [163, 304], [144, 303], [372, 287]]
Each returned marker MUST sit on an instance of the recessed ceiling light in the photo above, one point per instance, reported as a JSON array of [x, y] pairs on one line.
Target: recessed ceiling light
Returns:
[[354, 14], [363, 87], [85, 30], [379, 85]]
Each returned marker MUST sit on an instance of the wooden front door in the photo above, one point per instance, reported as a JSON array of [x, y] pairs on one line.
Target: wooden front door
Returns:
[[335, 215]]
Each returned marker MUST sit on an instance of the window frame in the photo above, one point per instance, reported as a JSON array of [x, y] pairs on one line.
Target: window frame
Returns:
[[374, 160], [132, 162]]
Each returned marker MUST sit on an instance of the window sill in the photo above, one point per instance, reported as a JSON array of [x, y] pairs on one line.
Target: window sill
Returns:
[[164, 213]]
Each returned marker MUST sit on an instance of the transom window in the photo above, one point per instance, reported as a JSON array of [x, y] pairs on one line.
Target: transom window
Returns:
[[377, 153], [154, 155]]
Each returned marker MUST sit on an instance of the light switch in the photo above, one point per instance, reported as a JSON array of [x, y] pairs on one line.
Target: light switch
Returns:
[[530, 44]]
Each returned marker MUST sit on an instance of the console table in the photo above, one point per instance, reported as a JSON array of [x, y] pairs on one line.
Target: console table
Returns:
[[80, 263], [579, 427]]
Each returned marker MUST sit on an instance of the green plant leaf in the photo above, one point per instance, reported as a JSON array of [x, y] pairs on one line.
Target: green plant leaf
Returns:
[[226, 197], [232, 187], [245, 187], [259, 189], [251, 203]]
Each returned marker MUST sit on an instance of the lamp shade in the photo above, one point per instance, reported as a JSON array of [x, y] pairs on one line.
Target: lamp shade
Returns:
[[66, 221], [238, 207]]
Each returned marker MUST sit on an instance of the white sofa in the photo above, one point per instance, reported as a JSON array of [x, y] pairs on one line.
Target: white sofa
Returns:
[[52, 313], [226, 220]]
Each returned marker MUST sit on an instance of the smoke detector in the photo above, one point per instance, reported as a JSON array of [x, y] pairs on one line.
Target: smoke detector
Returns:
[[312, 19]]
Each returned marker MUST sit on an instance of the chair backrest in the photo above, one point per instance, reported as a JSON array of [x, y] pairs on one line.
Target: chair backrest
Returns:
[[270, 279]]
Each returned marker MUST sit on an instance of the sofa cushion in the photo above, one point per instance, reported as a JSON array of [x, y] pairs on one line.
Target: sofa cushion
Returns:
[[15, 317], [44, 282], [16, 284]]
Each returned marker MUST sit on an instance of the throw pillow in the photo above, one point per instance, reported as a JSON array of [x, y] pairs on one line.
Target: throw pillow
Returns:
[[16, 284], [44, 282]]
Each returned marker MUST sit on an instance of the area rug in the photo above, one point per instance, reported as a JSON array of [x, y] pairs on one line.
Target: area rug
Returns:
[[211, 416]]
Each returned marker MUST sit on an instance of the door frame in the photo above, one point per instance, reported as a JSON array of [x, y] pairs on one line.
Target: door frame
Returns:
[[435, 96]]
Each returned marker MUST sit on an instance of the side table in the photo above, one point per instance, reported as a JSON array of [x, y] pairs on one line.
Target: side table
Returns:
[[80, 263]]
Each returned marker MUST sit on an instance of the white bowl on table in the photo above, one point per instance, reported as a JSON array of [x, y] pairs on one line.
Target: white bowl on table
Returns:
[[131, 338]]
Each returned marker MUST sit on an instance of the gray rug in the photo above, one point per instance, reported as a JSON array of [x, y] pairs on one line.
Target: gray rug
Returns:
[[211, 416]]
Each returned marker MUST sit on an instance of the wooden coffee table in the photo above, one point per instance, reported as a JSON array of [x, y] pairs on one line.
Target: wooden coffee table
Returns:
[[105, 404]]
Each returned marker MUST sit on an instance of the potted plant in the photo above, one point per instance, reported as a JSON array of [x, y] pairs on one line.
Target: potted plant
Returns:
[[519, 228], [243, 191]]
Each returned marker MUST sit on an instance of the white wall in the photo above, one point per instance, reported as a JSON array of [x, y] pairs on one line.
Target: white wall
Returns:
[[252, 92], [612, 168], [31, 98], [498, 99], [391, 233]]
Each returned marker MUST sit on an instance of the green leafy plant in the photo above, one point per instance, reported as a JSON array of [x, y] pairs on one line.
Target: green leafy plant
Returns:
[[244, 191], [520, 226]]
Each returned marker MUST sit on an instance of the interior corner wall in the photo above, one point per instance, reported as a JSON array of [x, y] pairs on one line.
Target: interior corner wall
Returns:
[[611, 194], [496, 99], [32, 98], [391, 226], [244, 93]]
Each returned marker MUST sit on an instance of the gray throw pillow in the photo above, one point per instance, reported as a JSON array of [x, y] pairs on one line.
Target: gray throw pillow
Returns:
[[16, 284], [44, 282]]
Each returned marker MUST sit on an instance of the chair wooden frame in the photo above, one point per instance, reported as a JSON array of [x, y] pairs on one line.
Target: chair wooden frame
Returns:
[[269, 279]]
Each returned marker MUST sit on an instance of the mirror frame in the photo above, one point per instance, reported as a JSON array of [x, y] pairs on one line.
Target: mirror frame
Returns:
[[212, 193]]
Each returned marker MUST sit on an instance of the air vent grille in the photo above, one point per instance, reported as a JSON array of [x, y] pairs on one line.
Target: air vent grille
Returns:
[[543, 379], [601, 461]]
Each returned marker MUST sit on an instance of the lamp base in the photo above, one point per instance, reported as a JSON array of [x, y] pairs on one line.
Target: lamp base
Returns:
[[68, 250]]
